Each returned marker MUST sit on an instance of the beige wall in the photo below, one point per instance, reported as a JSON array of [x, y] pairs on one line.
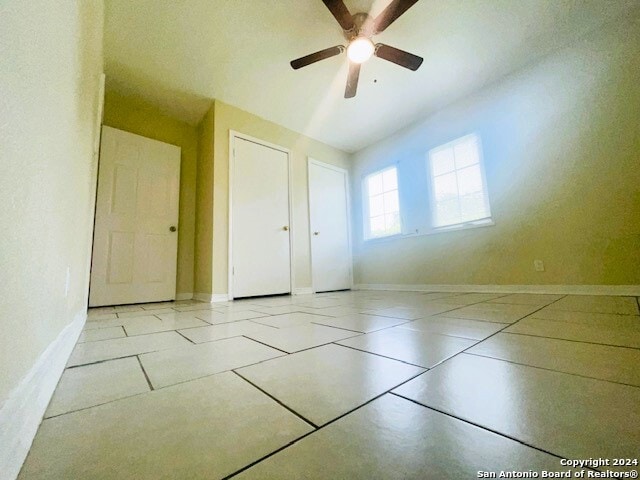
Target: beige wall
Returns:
[[49, 78], [136, 116], [226, 118], [561, 144]]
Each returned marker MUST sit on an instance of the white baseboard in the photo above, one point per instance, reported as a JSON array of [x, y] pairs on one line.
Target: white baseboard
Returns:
[[184, 296], [209, 298], [302, 291], [21, 414], [621, 290]]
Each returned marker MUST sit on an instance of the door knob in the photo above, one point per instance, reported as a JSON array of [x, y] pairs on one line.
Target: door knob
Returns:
[[172, 228], [316, 233], [286, 228]]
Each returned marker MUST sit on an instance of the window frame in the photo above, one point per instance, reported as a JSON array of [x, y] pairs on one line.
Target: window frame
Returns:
[[479, 222], [366, 219]]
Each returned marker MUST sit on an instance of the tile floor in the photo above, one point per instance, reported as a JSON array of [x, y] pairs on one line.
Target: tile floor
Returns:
[[370, 385]]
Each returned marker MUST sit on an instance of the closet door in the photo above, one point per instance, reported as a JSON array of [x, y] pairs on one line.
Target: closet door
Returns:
[[260, 243], [329, 222]]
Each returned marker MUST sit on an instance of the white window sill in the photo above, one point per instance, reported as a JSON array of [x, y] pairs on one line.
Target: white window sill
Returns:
[[460, 226], [434, 231], [384, 239]]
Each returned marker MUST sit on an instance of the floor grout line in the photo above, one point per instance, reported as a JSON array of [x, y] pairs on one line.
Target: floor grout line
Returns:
[[265, 344], [482, 427], [300, 416], [186, 338], [494, 334], [381, 356], [318, 428], [571, 340], [550, 369], [145, 373]]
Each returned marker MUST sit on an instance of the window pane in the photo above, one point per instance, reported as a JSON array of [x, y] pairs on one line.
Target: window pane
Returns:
[[447, 212], [392, 223], [470, 180], [442, 161], [391, 204], [445, 187], [466, 152], [376, 206], [375, 184], [472, 207], [376, 226], [390, 180]]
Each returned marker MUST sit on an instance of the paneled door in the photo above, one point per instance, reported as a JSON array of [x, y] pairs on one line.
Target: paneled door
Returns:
[[329, 223], [260, 248], [135, 240]]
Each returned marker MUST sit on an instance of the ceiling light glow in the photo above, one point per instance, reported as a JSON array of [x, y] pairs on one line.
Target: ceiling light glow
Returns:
[[360, 50]]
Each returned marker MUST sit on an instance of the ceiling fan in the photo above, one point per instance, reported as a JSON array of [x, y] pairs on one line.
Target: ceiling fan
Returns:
[[358, 30]]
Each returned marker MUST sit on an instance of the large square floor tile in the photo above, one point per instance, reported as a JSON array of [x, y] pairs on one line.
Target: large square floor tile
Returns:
[[195, 306], [146, 325], [286, 320], [392, 438], [140, 318], [361, 322], [323, 383], [91, 352], [470, 298], [570, 416], [412, 313], [611, 320], [279, 310], [91, 385], [223, 425], [456, 327], [581, 332], [225, 330], [127, 308], [322, 302], [597, 304], [616, 364], [100, 315], [101, 334], [339, 311], [295, 339], [168, 367], [425, 349], [140, 313], [226, 316], [492, 312], [527, 299]]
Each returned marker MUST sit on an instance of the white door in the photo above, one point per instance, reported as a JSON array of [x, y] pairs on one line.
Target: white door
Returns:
[[135, 240], [329, 223], [260, 249]]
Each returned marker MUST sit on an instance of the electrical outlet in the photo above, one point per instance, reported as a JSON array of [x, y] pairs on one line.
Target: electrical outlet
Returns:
[[67, 281], [538, 265]]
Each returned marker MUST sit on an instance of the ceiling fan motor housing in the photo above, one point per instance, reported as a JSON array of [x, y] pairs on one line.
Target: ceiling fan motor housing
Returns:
[[362, 27]]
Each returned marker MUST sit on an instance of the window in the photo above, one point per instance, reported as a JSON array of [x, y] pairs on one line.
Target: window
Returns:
[[458, 189], [382, 214]]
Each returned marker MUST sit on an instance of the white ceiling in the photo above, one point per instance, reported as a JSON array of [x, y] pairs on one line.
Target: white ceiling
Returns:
[[178, 54]]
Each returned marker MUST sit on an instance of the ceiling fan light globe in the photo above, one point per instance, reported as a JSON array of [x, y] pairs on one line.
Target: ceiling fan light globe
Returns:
[[360, 50]]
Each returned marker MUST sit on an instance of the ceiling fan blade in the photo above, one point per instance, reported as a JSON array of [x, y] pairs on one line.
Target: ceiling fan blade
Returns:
[[316, 57], [399, 57], [391, 14], [352, 80], [340, 12]]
